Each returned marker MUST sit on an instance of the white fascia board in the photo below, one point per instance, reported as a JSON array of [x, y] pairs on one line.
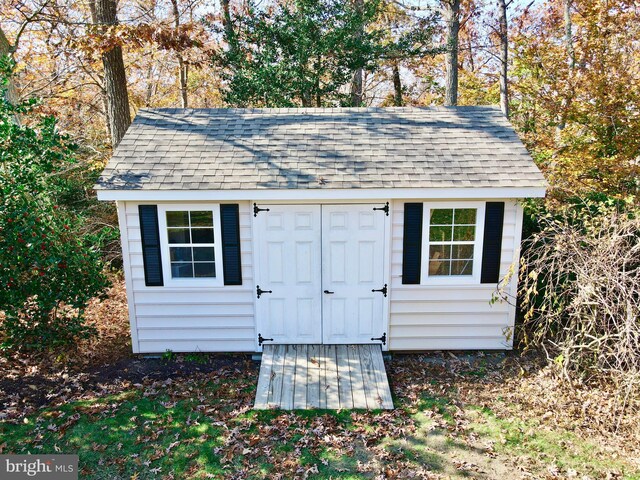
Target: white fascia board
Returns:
[[321, 194]]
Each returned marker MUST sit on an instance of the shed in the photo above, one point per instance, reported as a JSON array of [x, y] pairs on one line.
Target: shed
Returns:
[[244, 227]]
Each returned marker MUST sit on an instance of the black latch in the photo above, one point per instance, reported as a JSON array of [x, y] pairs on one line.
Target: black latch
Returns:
[[383, 290], [259, 291], [385, 209], [261, 339], [382, 339], [257, 209]]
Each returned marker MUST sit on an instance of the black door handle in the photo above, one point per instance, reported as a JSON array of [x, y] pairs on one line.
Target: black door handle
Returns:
[[328, 292]]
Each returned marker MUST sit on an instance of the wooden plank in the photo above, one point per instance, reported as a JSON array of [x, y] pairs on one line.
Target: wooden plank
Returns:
[[300, 383], [369, 377], [323, 375], [357, 382], [275, 389], [344, 377], [331, 377], [288, 377], [264, 378], [313, 376], [381, 377]]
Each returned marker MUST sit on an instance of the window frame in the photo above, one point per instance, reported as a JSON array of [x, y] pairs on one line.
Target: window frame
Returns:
[[425, 278], [218, 280]]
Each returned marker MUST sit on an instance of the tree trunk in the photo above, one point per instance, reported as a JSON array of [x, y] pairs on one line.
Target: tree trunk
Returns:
[[149, 93], [472, 60], [504, 58], [103, 92], [182, 67], [115, 78], [6, 49], [105, 111], [568, 33], [356, 88], [571, 57], [228, 26], [451, 13], [397, 86], [357, 83]]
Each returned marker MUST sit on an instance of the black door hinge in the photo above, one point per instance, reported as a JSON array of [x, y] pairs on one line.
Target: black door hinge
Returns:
[[382, 339], [259, 291], [383, 290], [385, 209], [257, 209], [261, 339]]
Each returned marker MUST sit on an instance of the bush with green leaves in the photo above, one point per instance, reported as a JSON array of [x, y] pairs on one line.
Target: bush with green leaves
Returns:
[[49, 268]]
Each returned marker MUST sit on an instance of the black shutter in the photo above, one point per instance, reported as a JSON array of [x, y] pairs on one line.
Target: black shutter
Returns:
[[150, 245], [412, 243], [492, 243], [230, 222]]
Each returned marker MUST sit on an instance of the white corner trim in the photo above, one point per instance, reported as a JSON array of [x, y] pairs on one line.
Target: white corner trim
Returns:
[[513, 287], [466, 193], [128, 280]]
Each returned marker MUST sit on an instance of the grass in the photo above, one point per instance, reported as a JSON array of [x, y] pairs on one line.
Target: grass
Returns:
[[201, 427], [126, 435], [560, 448]]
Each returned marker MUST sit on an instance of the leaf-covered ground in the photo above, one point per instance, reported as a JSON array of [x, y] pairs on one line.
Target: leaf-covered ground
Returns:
[[474, 416]]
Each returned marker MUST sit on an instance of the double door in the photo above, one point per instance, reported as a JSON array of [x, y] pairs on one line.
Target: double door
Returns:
[[320, 273]]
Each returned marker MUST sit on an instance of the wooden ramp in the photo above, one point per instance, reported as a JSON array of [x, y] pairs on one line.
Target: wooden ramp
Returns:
[[301, 377]]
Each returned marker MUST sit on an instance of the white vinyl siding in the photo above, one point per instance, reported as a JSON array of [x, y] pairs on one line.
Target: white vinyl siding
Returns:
[[222, 319], [197, 318], [437, 316]]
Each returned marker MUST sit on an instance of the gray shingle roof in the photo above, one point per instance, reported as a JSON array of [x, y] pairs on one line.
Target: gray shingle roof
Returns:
[[289, 148]]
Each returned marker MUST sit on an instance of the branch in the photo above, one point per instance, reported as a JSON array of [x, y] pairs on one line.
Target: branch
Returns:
[[27, 21]]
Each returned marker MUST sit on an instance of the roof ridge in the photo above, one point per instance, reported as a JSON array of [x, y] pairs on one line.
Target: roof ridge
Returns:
[[285, 110]]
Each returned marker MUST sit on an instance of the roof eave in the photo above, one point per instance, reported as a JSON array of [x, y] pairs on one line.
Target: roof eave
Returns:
[[475, 193]]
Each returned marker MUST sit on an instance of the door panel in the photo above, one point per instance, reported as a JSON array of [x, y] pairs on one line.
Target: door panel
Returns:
[[289, 250], [352, 266]]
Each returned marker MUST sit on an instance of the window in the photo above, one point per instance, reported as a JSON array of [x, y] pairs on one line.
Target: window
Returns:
[[452, 240], [191, 244], [190, 237]]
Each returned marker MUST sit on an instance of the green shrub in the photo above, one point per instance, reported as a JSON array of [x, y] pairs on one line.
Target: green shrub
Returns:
[[49, 268]]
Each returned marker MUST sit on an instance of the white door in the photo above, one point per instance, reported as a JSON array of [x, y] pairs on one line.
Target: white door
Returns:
[[289, 252], [352, 266]]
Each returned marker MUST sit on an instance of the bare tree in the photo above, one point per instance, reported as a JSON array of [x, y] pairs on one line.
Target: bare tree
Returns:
[[115, 79], [183, 68], [451, 13]]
